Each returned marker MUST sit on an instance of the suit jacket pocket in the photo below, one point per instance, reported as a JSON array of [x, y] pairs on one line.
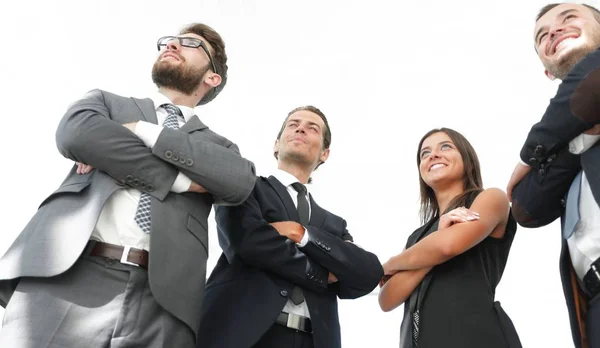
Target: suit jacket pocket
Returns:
[[199, 229], [65, 189]]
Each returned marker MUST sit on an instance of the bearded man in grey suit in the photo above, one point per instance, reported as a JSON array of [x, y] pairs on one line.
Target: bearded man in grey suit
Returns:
[[116, 257]]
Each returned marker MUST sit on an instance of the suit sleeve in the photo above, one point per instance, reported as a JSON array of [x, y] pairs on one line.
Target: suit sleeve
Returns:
[[87, 134], [574, 109], [357, 270], [539, 198], [244, 234], [220, 169]]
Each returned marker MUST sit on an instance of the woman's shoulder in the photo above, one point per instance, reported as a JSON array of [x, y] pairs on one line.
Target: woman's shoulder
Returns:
[[492, 197]]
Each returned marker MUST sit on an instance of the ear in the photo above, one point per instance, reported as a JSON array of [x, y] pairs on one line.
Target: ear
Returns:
[[276, 149], [212, 79], [549, 75], [324, 156]]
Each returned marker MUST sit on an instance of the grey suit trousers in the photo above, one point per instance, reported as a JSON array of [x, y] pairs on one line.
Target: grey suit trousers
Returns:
[[97, 303]]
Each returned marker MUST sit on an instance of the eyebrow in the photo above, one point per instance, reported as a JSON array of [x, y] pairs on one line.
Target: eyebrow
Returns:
[[309, 122], [562, 14]]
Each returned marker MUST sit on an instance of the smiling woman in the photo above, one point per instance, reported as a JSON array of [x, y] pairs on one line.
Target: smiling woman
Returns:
[[448, 273]]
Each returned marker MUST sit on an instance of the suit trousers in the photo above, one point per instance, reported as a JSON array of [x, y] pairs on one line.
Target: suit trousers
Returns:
[[592, 322], [279, 336], [98, 302]]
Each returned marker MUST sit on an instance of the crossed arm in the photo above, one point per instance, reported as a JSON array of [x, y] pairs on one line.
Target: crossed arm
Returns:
[[325, 263], [408, 268], [87, 134]]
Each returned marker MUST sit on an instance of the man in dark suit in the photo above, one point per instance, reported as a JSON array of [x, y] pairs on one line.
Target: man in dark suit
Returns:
[[116, 257], [560, 172], [285, 259]]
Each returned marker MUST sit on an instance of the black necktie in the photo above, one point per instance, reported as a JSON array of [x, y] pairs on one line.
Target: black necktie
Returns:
[[297, 297], [302, 203]]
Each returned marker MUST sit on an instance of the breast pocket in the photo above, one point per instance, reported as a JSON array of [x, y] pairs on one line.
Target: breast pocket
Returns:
[[66, 189], [198, 229]]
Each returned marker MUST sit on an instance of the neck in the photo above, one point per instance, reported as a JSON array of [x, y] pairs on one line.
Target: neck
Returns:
[[178, 98], [300, 172], [445, 195]]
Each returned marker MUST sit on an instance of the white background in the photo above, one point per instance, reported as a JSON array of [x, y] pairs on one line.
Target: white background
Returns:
[[383, 73]]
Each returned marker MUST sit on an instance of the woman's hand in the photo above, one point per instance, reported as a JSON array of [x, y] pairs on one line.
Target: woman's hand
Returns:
[[458, 215]]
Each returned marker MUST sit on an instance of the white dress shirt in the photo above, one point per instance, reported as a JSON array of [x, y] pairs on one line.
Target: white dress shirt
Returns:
[[287, 180], [584, 243], [116, 224]]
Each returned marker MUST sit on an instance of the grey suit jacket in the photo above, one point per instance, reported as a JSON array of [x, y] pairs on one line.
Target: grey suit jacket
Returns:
[[91, 132]]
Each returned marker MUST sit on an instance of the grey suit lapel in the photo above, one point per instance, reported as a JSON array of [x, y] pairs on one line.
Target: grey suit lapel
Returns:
[[147, 108], [193, 124]]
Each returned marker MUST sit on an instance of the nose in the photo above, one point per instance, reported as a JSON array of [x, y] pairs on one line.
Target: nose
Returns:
[[300, 128], [174, 45], [554, 32]]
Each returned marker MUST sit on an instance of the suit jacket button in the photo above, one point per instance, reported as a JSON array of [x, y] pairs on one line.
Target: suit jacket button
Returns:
[[283, 293], [175, 158], [539, 150], [532, 160], [182, 160], [135, 182], [143, 185], [168, 154], [129, 178], [542, 171], [150, 188], [189, 162]]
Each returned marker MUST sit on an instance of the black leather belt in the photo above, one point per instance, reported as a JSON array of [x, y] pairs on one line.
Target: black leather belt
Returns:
[[124, 254], [591, 280], [294, 321]]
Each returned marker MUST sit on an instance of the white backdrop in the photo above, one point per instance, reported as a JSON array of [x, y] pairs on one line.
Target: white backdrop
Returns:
[[383, 73]]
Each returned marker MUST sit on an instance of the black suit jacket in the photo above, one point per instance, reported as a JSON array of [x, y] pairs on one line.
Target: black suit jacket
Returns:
[[540, 197], [258, 268]]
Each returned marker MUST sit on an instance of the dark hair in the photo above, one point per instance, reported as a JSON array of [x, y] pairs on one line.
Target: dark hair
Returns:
[[471, 182], [218, 55], [326, 131], [548, 7]]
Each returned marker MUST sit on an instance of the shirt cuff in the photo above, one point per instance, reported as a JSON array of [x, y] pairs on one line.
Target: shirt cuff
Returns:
[[148, 132], [523, 163], [304, 240], [582, 143], [182, 183]]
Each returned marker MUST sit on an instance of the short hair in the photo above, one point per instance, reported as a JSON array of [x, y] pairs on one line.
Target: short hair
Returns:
[[548, 7], [315, 110], [218, 55]]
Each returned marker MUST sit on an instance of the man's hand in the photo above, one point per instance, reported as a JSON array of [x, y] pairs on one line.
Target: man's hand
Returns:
[[593, 131], [290, 229], [130, 126], [332, 278], [518, 174], [83, 168], [194, 187]]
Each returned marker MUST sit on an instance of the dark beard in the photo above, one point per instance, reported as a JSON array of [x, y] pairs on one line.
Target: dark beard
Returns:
[[177, 77]]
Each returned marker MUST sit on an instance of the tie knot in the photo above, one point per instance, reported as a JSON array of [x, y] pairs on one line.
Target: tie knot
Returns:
[[172, 109], [300, 188]]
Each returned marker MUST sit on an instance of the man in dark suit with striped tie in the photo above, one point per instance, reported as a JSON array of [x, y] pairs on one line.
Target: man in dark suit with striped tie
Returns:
[[285, 259]]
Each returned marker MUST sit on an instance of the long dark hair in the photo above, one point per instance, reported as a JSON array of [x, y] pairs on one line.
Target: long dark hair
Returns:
[[472, 182]]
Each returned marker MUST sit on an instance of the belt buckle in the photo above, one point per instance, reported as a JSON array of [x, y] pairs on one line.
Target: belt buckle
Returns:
[[294, 322], [126, 249]]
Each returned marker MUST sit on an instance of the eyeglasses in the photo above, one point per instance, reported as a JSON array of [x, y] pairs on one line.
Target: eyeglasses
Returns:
[[192, 42]]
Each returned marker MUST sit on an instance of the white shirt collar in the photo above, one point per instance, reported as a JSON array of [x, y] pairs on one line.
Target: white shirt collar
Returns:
[[159, 99], [287, 179]]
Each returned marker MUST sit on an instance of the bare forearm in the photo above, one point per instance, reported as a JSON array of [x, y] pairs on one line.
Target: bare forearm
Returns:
[[399, 287]]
